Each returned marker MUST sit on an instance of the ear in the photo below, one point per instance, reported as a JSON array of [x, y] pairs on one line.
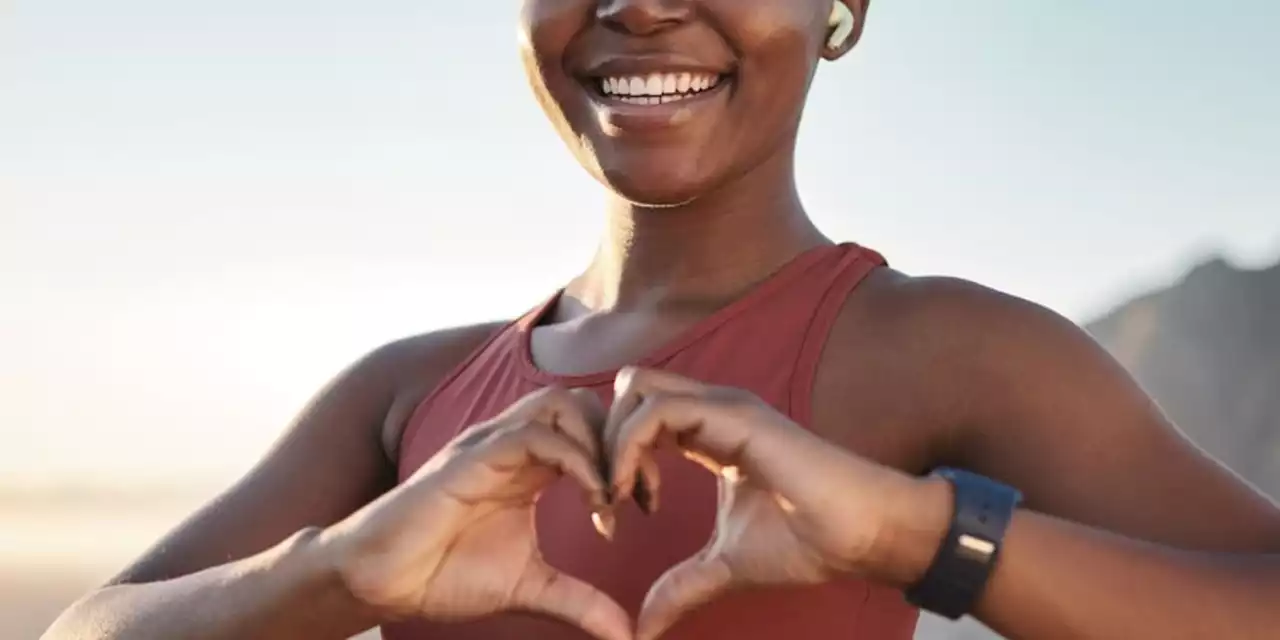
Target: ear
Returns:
[[859, 10]]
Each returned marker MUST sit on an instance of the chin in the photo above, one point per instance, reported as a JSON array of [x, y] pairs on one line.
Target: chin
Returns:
[[656, 194], [657, 183]]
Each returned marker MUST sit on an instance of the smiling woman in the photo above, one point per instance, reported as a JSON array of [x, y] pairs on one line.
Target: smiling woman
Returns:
[[771, 400]]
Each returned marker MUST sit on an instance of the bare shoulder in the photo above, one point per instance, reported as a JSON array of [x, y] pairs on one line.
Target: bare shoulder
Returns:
[[950, 312], [984, 349], [944, 371], [416, 365], [925, 353]]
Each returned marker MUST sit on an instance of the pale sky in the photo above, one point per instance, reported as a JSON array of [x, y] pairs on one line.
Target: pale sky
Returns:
[[207, 208]]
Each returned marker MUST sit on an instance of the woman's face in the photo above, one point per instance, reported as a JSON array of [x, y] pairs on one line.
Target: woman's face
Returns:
[[664, 100]]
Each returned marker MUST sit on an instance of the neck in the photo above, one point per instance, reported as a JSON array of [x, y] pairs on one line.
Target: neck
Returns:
[[704, 251]]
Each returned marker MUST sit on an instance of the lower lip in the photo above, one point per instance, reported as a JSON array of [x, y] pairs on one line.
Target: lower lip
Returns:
[[618, 117]]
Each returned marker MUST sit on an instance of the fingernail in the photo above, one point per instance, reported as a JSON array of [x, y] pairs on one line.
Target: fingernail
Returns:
[[643, 498], [604, 523]]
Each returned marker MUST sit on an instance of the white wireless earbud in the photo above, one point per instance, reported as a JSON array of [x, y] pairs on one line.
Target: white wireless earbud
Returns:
[[841, 23]]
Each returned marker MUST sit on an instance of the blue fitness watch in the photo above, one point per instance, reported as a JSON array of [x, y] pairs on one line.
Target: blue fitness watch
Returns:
[[959, 572]]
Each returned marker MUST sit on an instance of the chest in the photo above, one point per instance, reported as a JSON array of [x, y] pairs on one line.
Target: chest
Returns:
[[645, 546]]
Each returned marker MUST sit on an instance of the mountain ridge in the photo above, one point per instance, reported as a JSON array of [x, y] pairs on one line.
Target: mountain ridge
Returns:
[[1207, 349]]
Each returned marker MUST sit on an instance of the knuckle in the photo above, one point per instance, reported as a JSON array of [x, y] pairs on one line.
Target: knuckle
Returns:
[[584, 401], [477, 435], [533, 428], [537, 399], [737, 400], [632, 379], [555, 393], [519, 430], [734, 395], [667, 406], [581, 393], [748, 410], [659, 401], [500, 437], [551, 400]]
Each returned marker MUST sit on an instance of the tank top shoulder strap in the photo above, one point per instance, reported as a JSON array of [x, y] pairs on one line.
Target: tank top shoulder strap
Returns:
[[858, 263], [482, 355]]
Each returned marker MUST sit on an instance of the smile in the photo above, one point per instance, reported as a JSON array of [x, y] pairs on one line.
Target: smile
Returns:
[[657, 88]]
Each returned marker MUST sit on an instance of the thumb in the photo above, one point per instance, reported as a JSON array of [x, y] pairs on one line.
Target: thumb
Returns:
[[548, 591], [682, 589]]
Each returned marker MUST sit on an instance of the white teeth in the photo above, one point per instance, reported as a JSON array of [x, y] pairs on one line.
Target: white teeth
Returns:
[[657, 88]]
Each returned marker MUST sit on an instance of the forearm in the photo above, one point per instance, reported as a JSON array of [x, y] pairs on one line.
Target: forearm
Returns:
[[1059, 579], [290, 591], [1062, 580]]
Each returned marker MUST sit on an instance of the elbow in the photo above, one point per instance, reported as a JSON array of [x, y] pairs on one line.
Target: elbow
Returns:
[[92, 617]]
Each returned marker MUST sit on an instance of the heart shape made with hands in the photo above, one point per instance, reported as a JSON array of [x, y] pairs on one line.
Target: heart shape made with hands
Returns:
[[769, 469], [792, 509], [458, 540]]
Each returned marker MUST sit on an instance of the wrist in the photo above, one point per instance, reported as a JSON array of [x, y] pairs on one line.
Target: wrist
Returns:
[[913, 529], [325, 560]]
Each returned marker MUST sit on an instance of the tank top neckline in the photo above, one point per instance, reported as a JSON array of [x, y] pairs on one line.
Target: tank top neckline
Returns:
[[780, 278]]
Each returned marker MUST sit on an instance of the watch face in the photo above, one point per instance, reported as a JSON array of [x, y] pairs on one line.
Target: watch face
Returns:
[[975, 549]]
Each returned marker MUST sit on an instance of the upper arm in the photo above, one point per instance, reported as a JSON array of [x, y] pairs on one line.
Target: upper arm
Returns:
[[1045, 408], [330, 462]]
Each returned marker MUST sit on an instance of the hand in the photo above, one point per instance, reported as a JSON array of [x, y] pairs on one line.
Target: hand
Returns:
[[457, 542], [793, 509]]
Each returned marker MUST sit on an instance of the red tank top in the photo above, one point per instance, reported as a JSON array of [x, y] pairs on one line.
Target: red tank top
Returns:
[[769, 341]]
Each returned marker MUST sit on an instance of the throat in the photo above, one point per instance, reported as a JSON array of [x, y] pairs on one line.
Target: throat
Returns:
[[708, 249], [686, 264]]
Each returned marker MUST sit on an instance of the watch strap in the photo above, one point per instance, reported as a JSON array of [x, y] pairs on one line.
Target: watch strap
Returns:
[[959, 572]]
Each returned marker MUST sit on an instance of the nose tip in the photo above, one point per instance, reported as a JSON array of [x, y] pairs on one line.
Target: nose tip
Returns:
[[643, 17]]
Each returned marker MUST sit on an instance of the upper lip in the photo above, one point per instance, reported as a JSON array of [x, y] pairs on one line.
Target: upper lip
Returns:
[[616, 65]]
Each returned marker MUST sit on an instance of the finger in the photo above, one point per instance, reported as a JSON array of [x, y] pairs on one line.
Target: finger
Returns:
[[696, 424], [636, 434], [552, 449], [630, 389], [518, 413], [632, 386], [646, 491], [712, 425], [548, 591], [578, 413], [624, 402], [626, 398], [685, 587]]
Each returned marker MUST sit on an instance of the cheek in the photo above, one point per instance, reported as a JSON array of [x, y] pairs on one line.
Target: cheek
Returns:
[[547, 27], [780, 46], [764, 19]]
